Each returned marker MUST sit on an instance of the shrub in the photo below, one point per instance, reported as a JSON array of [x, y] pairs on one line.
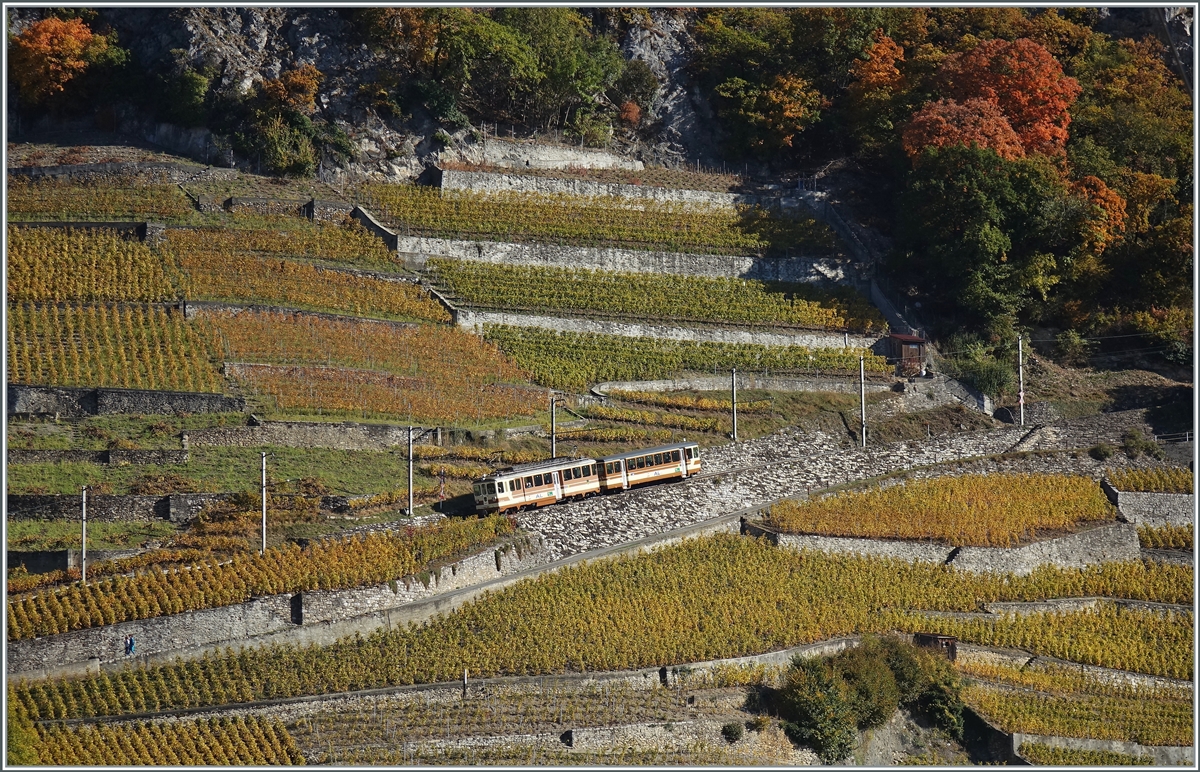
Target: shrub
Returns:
[[1072, 348], [1135, 444], [732, 732], [817, 707], [1101, 451]]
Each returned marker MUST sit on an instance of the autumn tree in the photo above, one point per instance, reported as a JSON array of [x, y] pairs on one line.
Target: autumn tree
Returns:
[[1024, 81], [876, 91], [50, 53], [946, 123], [771, 116], [295, 89]]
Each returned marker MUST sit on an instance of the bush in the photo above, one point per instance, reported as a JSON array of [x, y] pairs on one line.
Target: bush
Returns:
[[1135, 444], [824, 703], [1072, 349], [732, 732], [816, 704], [1101, 451]]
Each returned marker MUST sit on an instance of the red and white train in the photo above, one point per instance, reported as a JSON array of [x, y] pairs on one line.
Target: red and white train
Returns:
[[528, 486]]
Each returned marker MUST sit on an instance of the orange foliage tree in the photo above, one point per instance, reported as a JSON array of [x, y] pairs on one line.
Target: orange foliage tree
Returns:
[[295, 89], [1024, 81], [946, 123], [49, 53], [1106, 210]]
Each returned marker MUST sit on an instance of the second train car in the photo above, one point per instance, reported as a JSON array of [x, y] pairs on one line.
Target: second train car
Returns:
[[529, 486]]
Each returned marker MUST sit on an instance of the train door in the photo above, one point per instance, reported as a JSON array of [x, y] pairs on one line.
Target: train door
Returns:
[[681, 457], [558, 492], [624, 475]]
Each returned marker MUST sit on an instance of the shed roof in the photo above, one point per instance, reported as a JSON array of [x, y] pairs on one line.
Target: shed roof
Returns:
[[907, 338]]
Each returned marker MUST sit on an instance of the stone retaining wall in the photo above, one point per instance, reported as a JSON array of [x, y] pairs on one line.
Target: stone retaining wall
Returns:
[[45, 561], [101, 507], [815, 268], [304, 434], [1163, 755], [113, 457], [267, 206], [368, 221], [160, 639], [70, 401], [1111, 542], [156, 172], [474, 321], [1154, 509]]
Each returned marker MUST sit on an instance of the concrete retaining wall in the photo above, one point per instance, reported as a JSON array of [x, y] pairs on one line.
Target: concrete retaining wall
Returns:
[[1111, 542], [160, 639], [1154, 509], [474, 321], [815, 268], [68, 401]]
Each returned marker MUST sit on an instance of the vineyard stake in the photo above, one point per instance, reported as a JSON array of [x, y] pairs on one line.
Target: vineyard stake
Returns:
[[862, 399], [553, 430], [733, 400], [1021, 376], [83, 558], [410, 460], [263, 551]]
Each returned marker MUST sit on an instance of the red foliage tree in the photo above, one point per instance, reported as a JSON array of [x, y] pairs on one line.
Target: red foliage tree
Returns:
[[1024, 81], [1107, 213], [946, 123], [878, 72], [49, 53]]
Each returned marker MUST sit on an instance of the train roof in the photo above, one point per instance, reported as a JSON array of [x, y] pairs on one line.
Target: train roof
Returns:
[[537, 466], [644, 451]]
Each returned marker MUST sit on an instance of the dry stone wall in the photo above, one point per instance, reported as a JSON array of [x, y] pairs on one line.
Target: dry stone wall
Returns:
[[101, 507], [816, 268], [68, 401], [113, 457], [1154, 509], [278, 618]]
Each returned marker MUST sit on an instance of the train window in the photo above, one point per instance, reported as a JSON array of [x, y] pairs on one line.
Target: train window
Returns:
[[657, 459], [641, 462], [500, 487], [695, 452], [528, 482], [537, 480], [516, 484], [587, 470], [687, 453], [577, 473], [477, 491], [675, 455]]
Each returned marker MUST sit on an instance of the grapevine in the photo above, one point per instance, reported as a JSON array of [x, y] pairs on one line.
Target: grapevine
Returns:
[[68, 200], [326, 565], [56, 265], [994, 510], [596, 222], [658, 297], [704, 599], [1156, 480], [574, 360], [132, 347], [1166, 537]]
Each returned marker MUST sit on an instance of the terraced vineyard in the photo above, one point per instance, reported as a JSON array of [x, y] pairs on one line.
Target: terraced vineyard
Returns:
[[68, 200], [996, 510], [224, 272], [433, 373], [660, 297], [56, 265], [349, 243], [218, 741], [132, 347], [1159, 480], [595, 222], [565, 360], [704, 599], [333, 564]]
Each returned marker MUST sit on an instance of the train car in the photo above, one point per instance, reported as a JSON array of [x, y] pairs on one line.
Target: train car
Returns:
[[626, 470], [527, 486]]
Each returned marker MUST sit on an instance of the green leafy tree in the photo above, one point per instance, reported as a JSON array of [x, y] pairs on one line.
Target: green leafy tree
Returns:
[[818, 709], [576, 65], [979, 234]]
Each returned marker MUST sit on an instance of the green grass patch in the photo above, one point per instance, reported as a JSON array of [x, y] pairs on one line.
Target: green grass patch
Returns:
[[32, 535]]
